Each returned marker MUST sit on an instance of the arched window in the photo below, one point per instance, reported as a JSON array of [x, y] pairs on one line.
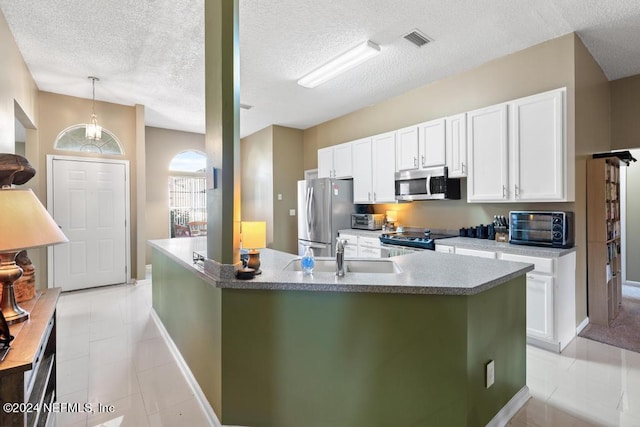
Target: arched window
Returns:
[[73, 139], [187, 194]]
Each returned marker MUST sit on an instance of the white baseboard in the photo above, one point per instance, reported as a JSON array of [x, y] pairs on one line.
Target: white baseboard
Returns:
[[632, 283], [582, 325], [509, 410], [182, 364]]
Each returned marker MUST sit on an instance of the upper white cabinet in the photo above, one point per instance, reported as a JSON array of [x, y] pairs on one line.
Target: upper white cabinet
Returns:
[[538, 141], [456, 145], [335, 161], [487, 179], [407, 151], [421, 146], [517, 150], [374, 170], [362, 171]]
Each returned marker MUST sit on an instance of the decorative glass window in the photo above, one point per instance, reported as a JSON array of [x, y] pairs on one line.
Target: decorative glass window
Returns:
[[187, 194], [73, 139]]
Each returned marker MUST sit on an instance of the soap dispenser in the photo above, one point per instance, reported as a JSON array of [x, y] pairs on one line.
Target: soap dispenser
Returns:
[[308, 261]]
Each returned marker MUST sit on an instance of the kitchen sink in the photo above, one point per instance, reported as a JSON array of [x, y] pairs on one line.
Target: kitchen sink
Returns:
[[373, 265]]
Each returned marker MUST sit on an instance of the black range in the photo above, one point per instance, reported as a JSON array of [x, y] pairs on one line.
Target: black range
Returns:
[[421, 239]]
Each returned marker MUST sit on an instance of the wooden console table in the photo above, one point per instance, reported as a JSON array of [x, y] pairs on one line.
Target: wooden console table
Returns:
[[28, 373]]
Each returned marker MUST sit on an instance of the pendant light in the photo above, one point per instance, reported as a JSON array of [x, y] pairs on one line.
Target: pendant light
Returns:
[[93, 130]]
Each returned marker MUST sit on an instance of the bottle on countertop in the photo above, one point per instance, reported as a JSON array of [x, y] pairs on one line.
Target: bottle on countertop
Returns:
[[308, 261]]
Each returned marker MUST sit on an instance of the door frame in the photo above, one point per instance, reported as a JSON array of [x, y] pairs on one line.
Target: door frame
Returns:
[[127, 202]]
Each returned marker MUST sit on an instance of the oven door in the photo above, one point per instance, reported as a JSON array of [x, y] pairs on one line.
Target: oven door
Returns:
[[387, 251], [533, 228]]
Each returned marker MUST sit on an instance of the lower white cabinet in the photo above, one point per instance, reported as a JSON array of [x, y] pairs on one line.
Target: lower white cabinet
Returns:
[[351, 248], [361, 246], [551, 303]]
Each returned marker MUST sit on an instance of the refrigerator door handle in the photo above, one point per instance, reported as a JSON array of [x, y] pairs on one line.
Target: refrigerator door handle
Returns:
[[311, 216]]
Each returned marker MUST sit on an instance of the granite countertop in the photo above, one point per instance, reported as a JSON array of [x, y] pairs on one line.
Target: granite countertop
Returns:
[[425, 272], [492, 245]]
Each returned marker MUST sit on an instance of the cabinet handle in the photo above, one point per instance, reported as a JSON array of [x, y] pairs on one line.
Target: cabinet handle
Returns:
[[504, 192], [463, 167], [422, 159], [415, 161], [517, 192], [369, 196], [374, 196]]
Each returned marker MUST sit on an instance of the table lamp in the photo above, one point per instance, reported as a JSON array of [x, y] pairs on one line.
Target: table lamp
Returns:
[[24, 224], [254, 237], [392, 218]]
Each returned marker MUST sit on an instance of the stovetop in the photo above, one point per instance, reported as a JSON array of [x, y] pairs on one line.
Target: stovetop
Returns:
[[417, 239]]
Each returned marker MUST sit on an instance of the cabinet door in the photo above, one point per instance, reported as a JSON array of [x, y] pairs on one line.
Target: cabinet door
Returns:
[[538, 141], [487, 153], [476, 252], [384, 154], [362, 171], [325, 162], [444, 249], [369, 247], [407, 149], [456, 145], [540, 306], [351, 248], [342, 161], [432, 143]]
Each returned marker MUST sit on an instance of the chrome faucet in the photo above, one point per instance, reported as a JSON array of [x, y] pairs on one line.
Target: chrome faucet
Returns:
[[340, 257]]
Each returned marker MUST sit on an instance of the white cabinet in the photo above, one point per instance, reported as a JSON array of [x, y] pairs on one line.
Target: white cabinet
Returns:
[[374, 169], [368, 247], [540, 306], [421, 146], [407, 151], [476, 253], [487, 179], [335, 161], [516, 150], [351, 248], [444, 249], [538, 145], [456, 145], [550, 300]]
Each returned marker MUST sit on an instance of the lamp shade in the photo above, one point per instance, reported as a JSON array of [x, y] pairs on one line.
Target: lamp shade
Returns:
[[392, 216], [25, 223], [254, 234]]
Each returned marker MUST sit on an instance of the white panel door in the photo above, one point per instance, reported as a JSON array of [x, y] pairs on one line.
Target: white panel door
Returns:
[[362, 171], [384, 171], [537, 137], [89, 204], [407, 149], [325, 163], [432, 143], [540, 306], [342, 161], [488, 154], [456, 145]]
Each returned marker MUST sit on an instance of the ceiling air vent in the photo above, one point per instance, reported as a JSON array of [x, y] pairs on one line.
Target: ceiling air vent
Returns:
[[418, 38]]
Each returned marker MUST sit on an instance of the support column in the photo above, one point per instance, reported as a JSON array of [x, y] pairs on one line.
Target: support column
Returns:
[[222, 139]]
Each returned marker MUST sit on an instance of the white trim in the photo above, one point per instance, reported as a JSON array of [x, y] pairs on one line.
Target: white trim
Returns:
[[623, 222], [188, 375], [310, 174], [127, 195], [632, 283], [509, 410], [582, 325], [543, 344]]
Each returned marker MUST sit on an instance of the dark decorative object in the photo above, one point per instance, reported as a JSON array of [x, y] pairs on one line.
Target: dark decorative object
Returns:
[[14, 169], [5, 337]]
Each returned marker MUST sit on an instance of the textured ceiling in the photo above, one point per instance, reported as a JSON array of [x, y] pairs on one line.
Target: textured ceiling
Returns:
[[151, 52]]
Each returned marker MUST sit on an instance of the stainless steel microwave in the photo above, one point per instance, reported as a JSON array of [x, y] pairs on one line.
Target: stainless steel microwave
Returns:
[[427, 184], [542, 228]]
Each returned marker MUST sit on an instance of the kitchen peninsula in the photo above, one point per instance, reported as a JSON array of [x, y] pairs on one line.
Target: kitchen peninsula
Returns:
[[369, 349]]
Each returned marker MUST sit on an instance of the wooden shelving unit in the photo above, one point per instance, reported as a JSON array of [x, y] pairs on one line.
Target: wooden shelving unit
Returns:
[[28, 373], [603, 239]]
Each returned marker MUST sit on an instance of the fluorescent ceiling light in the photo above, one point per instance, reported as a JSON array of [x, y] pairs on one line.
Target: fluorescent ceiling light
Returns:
[[340, 64]]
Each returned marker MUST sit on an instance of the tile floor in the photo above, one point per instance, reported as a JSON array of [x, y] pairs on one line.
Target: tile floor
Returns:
[[111, 352]]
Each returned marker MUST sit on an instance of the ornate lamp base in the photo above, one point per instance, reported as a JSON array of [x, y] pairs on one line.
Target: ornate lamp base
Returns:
[[10, 272]]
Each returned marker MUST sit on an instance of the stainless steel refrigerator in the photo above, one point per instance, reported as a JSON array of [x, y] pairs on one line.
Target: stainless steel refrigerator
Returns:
[[325, 206]]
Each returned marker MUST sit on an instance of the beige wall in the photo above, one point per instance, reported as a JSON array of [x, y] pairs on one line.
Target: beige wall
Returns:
[[287, 171], [625, 113], [161, 146], [556, 63], [58, 112], [633, 219], [271, 162]]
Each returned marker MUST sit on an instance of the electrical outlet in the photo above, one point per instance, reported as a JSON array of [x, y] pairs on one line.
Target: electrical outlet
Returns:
[[279, 196], [491, 370], [292, 212]]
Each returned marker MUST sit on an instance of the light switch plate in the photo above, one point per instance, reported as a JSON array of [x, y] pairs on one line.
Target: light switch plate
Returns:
[[279, 196], [490, 373], [292, 212]]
